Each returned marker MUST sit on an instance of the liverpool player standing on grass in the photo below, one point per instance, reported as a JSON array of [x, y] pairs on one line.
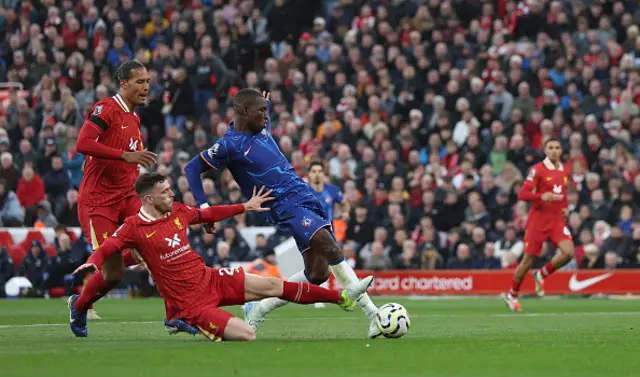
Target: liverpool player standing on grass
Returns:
[[111, 138], [193, 291], [546, 189]]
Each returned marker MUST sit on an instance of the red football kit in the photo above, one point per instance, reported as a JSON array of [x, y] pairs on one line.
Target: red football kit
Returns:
[[546, 219], [191, 290], [107, 194]]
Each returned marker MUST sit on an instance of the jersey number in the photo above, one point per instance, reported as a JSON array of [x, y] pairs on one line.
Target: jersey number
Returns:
[[226, 271]]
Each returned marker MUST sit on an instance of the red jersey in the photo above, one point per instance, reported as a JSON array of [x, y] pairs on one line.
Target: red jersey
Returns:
[[163, 248], [544, 177], [106, 181]]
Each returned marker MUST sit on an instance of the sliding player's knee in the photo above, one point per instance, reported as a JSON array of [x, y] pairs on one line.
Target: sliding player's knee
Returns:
[[318, 275], [238, 330], [243, 335], [249, 335]]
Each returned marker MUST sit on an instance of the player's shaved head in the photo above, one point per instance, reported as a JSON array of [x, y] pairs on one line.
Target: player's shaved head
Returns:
[[147, 181], [245, 98], [250, 108]]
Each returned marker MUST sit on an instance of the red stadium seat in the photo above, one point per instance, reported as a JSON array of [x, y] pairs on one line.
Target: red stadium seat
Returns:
[[6, 239], [17, 254], [33, 235], [51, 250]]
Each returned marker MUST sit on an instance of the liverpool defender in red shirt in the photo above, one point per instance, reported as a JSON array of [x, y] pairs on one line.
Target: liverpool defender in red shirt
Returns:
[[546, 189], [193, 291], [111, 138]]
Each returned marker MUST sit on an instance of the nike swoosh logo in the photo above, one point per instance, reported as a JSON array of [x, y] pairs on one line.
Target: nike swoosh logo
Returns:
[[549, 178], [123, 127], [247, 151], [151, 234], [576, 285]]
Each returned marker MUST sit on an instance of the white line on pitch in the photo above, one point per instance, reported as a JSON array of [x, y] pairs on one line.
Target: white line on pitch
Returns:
[[511, 315]]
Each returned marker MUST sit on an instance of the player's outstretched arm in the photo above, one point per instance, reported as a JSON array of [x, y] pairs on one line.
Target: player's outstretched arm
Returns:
[[95, 261], [219, 213]]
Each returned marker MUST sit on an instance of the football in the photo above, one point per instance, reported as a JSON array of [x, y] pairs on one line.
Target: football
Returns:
[[393, 320]]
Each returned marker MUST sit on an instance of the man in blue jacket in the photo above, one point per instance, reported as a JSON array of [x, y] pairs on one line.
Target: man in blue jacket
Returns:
[[11, 212]]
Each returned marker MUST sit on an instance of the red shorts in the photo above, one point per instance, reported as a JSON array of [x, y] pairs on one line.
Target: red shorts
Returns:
[[99, 223], [225, 288], [538, 232]]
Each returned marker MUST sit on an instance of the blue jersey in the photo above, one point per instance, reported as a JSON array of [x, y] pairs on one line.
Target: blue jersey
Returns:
[[255, 160], [328, 197]]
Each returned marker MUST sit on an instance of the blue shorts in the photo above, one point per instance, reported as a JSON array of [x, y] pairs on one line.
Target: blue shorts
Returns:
[[302, 221]]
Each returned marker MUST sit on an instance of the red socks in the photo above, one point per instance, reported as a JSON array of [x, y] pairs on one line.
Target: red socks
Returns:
[[547, 270], [515, 288], [305, 293], [93, 291]]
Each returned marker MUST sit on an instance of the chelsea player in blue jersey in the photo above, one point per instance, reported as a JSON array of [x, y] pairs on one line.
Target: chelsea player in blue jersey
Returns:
[[327, 194], [254, 159]]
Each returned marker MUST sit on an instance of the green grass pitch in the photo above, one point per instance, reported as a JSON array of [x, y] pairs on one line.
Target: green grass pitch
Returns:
[[466, 338]]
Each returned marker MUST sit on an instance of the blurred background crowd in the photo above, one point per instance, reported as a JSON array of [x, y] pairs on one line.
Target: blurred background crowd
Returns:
[[428, 114]]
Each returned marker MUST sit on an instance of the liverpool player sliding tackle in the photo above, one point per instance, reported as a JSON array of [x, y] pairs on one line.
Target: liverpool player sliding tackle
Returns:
[[191, 290], [111, 138], [254, 159], [545, 188]]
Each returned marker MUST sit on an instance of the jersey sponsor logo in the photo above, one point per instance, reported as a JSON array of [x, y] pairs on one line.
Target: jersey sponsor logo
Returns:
[[566, 231], [306, 222], [97, 110], [173, 242], [557, 189], [532, 173], [576, 285], [213, 150], [150, 234], [133, 144]]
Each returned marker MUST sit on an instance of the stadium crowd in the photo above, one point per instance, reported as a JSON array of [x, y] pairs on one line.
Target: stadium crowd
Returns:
[[427, 113]]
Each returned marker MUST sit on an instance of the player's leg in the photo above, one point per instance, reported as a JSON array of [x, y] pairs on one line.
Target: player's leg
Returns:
[[98, 228], [321, 256], [257, 287], [327, 247], [561, 237], [533, 247], [216, 324]]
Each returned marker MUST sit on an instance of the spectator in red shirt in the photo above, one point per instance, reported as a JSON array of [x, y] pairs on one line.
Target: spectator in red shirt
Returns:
[[30, 192]]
